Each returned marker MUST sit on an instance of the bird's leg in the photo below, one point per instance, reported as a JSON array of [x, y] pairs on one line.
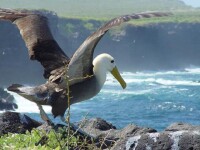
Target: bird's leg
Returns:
[[77, 129], [44, 116]]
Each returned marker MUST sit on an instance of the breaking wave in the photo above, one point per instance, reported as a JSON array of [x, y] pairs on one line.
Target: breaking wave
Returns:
[[161, 97]]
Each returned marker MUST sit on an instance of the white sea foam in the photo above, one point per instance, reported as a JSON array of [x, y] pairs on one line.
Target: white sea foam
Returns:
[[171, 106], [159, 73], [125, 92], [152, 73], [148, 74], [177, 82], [26, 106], [193, 70], [140, 80], [152, 81]]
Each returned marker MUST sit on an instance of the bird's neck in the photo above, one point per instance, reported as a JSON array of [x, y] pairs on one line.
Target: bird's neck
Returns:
[[100, 74]]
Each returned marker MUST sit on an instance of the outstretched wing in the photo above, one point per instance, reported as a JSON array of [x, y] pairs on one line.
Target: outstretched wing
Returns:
[[81, 62], [38, 38]]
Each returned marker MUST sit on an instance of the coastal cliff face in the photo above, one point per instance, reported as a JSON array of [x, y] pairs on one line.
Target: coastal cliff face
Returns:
[[163, 46]]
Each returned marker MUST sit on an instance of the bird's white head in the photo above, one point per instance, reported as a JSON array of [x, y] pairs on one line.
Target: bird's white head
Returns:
[[104, 63]]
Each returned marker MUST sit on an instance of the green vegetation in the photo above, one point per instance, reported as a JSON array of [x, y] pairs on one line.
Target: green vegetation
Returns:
[[68, 27], [41, 140], [103, 10], [89, 26]]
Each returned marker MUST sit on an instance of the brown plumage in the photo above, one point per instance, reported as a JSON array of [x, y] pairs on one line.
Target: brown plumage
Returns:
[[79, 69]]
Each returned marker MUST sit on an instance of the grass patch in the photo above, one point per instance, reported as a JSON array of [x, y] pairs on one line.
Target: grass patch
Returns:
[[103, 10], [41, 140]]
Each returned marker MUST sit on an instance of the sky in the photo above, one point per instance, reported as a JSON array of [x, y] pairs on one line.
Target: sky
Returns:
[[194, 3]]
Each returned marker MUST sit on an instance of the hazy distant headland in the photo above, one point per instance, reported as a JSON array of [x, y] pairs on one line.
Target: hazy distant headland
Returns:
[[155, 44], [99, 9]]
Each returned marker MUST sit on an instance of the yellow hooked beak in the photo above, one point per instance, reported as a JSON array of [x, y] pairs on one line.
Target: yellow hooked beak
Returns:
[[117, 75]]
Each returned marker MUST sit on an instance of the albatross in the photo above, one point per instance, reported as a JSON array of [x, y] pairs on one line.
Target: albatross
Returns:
[[80, 74]]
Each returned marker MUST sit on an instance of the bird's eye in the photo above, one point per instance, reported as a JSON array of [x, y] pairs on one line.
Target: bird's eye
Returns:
[[112, 61]]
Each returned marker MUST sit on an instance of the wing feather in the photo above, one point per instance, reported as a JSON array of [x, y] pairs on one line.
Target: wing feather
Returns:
[[81, 62], [38, 38]]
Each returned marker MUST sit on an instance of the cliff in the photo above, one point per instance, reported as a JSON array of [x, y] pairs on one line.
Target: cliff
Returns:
[[161, 46]]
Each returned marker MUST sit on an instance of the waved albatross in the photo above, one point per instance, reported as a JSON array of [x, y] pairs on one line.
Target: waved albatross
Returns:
[[85, 75]]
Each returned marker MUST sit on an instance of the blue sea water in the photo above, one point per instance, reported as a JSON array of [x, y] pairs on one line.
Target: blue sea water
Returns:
[[152, 99]]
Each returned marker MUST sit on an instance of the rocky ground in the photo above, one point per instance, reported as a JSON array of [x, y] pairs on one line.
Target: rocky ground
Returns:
[[178, 136]]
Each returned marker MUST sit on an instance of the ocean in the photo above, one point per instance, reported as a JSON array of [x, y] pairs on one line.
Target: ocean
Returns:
[[151, 99]]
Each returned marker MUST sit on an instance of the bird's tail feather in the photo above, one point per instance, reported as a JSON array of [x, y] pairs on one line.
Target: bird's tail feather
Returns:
[[15, 88], [22, 91]]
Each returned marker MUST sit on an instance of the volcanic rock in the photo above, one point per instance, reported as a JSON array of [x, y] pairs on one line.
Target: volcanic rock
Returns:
[[178, 136], [12, 122]]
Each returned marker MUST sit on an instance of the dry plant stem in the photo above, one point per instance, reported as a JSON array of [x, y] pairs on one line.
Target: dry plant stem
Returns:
[[104, 139], [76, 130], [67, 120], [81, 78], [79, 128], [68, 111]]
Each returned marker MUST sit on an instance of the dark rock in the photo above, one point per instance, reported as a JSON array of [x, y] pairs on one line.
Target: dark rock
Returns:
[[105, 136], [189, 141], [177, 136], [7, 101], [182, 126], [12, 122], [96, 123]]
